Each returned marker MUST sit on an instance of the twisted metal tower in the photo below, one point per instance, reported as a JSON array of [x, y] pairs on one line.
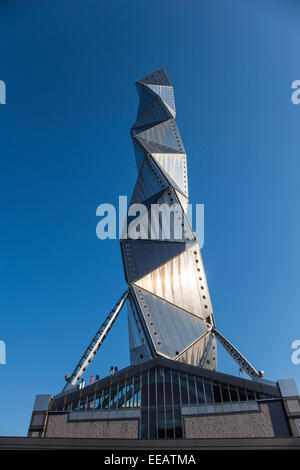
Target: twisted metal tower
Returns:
[[170, 311], [169, 307]]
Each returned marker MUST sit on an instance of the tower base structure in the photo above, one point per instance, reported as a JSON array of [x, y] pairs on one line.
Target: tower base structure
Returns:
[[165, 400]]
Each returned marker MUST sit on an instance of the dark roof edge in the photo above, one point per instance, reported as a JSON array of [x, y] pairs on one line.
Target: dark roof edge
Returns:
[[131, 371]]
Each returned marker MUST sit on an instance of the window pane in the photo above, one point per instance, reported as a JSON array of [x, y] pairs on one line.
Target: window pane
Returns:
[[161, 431], [200, 391], [90, 402], [242, 394], [175, 384], [75, 406], [259, 396], [105, 403], [152, 388], [217, 392], [192, 390], [121, 395], [145, 390], [168, 389], [208, 391], [169, 423], [137, 391], [184, 393], [152, 423], [251, 395], [113, 397], [177, 422], [144, 424], [160, 387], [82, 403], [225, 393], [233, 393], [98, 400], [129, 391], [59, 405]]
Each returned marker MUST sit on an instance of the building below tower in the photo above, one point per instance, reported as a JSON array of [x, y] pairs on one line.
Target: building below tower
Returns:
[[164, 399]]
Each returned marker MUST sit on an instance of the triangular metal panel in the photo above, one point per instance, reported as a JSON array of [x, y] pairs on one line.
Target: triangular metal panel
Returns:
[[192, 355], [171, 329], [152, 199], [154, 113], [153, 147], [139, 155], [166, 134], [146, 97], [181, 281], [158, 77], [178, 224], [170, 224], [183, 200], [174, 165], [201, 353], [167, 177], [171, 110], [146, 203], [150, 181], [140, 350], [135, 131], [166, 94], [209, 354], [143, 256]]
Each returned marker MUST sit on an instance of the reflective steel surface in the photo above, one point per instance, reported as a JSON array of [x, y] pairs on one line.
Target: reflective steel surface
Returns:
[[170, 312]]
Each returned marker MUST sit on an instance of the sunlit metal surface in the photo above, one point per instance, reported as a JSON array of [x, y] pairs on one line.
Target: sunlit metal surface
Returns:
[[161, 223], [138, 345], [174, 165], [166, 94], [166, 133], [143, 256], [178, 281], [171, 329]]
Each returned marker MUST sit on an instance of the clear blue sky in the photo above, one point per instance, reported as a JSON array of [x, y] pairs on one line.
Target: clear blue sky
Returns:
[[70, 68]]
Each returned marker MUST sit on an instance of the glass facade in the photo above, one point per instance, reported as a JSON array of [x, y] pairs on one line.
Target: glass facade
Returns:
[[160, 393]]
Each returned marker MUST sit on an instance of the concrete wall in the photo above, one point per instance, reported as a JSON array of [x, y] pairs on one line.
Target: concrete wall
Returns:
[[239, 425], [59, 426]]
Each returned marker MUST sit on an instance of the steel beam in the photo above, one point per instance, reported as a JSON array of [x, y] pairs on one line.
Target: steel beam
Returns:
[[96, 342]]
